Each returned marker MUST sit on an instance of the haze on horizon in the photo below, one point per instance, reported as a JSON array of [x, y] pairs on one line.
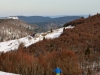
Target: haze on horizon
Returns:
[[48, 7]]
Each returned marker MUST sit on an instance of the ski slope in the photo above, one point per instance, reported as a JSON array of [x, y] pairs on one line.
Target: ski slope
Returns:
[[29, 40]]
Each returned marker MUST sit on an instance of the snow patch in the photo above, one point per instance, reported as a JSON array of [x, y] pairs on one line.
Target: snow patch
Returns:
[[12, 17], [5, 73]]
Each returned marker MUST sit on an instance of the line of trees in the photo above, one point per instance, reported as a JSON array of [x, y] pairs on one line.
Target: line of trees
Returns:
[[26, 64]]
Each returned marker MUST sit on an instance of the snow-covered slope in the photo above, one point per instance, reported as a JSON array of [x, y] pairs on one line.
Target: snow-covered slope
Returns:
[[4, 73], [29, 40], [12, 17]]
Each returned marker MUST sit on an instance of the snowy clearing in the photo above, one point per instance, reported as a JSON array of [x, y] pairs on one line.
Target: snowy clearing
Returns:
[[29, 40]]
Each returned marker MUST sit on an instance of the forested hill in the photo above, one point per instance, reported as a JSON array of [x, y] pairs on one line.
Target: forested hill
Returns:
[[37, 19], [93, 18], [84, 40], [85, 34], [13, 29]]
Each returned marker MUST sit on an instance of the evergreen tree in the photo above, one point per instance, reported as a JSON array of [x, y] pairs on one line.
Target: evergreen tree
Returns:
[[89, 15], [87, 51], [89, 72], [51, 30], [43, 38], [63, 29], [97, 13]]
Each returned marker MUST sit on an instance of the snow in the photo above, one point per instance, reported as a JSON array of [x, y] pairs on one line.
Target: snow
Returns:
[[29, 40], [5, 73], [12, 17]]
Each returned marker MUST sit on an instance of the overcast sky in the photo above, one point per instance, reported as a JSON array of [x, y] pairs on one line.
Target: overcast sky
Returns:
[[48, 7]]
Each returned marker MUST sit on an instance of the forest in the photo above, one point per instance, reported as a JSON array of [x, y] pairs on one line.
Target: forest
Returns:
[[76, 52]]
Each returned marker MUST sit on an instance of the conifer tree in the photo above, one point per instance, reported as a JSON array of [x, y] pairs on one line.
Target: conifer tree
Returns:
[[87, 51], [63, 29], [51, 30], [89, 72], [43, 38]]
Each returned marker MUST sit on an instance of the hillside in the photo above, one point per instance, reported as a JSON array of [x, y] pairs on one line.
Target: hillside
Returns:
[[76, 52], [84, 40], [14, 29], [86, 33]]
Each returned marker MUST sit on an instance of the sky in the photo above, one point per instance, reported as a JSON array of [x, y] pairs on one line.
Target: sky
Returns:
[[48, 7]]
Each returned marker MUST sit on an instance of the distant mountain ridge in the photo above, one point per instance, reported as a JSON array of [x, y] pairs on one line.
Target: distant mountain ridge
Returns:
[[44, 24], [35, 19]]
